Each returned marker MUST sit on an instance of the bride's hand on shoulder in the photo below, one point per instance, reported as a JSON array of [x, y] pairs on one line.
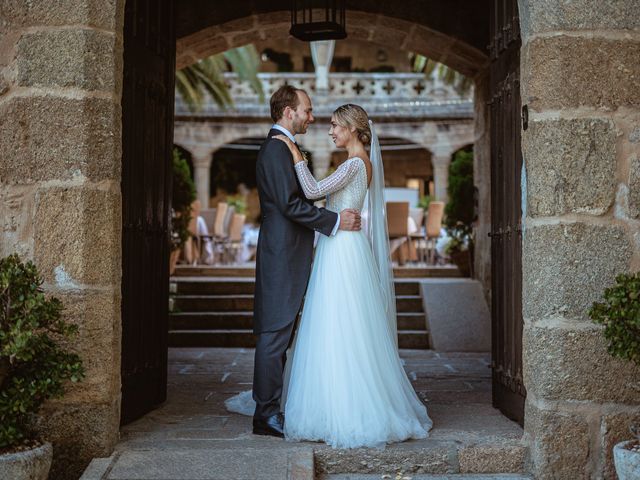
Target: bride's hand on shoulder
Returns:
[[297, 156]]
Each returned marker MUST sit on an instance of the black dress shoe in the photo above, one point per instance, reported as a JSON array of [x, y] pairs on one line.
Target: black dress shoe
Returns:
[[273, 425]]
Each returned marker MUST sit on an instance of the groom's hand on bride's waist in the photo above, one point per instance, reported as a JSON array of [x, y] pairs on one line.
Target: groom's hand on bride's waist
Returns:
[[350, 220]]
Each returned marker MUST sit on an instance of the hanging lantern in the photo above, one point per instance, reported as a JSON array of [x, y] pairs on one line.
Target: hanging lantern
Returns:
[[318, 20]]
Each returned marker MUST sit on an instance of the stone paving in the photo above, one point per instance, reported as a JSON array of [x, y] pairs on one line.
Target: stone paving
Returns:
[[192, 436], [490, 476]]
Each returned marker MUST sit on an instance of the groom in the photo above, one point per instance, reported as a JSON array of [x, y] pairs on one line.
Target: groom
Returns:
[[285, 250]]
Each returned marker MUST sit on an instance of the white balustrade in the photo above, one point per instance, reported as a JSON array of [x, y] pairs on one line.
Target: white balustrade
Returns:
[[387, 94]]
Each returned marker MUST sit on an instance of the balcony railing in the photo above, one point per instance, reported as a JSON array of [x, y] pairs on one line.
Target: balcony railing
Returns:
[[402, 95]]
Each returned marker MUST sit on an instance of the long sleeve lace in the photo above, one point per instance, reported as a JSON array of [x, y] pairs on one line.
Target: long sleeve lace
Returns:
[[339, 179]]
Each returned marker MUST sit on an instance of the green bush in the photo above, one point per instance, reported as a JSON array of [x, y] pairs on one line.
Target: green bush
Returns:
[[238, 203], [620, 315], [424, 202], [460, 209], [33, 364], [183, 195]]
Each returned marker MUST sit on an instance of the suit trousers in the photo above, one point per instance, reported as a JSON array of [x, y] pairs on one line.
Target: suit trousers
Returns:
[[269, 362]]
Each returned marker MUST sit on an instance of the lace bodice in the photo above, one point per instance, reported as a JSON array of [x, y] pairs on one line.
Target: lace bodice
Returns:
[[344, 188]]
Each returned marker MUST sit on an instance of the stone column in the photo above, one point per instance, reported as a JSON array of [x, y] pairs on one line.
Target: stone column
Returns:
[[441, 175], [201, 158], [60, 201], [582, 227]]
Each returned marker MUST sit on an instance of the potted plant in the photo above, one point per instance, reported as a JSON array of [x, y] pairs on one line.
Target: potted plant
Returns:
[[34, 367], [238, 203], [424, 202], [183, 195], [620, 315], [460, 211], [458, 248]]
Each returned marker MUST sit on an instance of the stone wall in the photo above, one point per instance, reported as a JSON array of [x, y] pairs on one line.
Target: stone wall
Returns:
[[60, 142], [581, 81]]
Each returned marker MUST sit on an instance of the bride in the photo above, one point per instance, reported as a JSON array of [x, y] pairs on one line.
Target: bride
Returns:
[[346, 384]]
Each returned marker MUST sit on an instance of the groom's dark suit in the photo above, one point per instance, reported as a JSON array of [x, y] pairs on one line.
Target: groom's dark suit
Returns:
[[283, 265]]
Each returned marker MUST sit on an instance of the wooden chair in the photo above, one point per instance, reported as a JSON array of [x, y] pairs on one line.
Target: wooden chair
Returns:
[[209, 216], [398, 226], [416, 247], [205, 235], [234, 241], [192, 245], [218, 225], [432, 231]]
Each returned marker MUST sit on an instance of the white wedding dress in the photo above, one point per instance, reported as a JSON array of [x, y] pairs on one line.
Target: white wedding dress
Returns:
[[346, 383]]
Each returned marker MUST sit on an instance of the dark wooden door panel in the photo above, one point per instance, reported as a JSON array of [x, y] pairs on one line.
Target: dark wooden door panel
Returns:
[[147, 131], [506, 232]]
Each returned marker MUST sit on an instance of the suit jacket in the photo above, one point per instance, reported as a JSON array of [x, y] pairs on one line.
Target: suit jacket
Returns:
[[285, 244]]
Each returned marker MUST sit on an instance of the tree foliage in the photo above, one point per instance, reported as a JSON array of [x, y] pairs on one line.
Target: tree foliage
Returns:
[[183, 195], [461, 83], [460, 208], [33, 363], [620, 315], [195, 81]]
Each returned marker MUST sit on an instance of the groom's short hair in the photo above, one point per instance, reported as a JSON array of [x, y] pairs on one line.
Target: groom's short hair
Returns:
[[285, 96]]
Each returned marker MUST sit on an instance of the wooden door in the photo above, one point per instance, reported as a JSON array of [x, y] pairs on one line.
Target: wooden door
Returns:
[[506, 232], [147, 135]]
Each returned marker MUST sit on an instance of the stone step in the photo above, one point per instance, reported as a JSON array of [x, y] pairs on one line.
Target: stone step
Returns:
[[412, 321], [407, 288], [211, 320], [409, 303], [246, 286], [244, 320], [236, 286], [398, 272], [204, 271], [426, 272], [212, 338], [234, 461], [461, 476], [411, 339], [213, 303], [429, 459], [235, 303]]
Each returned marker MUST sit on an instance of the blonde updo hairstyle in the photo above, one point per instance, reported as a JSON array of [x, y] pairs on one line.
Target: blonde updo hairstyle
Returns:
[[350, 115]]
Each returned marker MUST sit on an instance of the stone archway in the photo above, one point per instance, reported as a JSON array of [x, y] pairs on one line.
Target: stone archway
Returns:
[[60, 184], [371, 27], [461, 50]]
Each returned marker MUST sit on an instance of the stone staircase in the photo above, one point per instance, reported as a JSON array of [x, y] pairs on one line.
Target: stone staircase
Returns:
[[212, 307]]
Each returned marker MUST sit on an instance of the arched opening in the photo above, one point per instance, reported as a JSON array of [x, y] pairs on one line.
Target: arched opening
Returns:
[[406, 165], [202, 37]]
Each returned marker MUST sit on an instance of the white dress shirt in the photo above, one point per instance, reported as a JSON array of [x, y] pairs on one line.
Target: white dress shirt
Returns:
[[293, 139]]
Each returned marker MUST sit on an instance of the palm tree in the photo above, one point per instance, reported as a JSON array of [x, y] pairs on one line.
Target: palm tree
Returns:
[[459, 82], [204, 77]]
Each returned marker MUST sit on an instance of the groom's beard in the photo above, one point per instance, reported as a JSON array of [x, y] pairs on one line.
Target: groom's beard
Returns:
[[299, 127]]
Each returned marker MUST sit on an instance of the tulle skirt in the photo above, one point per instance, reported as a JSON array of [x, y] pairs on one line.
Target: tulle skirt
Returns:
[[345, 382]]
